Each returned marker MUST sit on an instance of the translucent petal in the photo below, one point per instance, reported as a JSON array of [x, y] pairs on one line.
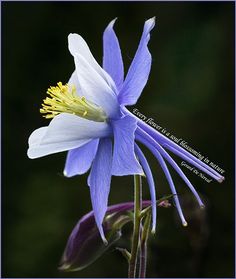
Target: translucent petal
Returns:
[[94, 87], [75, 82], [77, 45], [65, 132]]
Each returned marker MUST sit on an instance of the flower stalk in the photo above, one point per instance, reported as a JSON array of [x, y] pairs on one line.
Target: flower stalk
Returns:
[[137, 226], [143, 246]]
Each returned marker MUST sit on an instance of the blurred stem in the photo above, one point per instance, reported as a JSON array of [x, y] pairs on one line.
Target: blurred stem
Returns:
[[143, 246], [125, 253], [137, 224]]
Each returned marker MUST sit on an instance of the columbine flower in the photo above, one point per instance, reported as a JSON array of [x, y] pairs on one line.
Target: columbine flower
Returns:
[[89, 119]]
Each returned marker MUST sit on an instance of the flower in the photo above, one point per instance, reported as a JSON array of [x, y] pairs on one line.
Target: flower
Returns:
[[89, 119], [87, 116]]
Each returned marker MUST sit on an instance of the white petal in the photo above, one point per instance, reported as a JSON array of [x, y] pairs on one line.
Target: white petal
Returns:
[[94, 87], [37, 136], [77, 45], [65, 132], [75, 82]]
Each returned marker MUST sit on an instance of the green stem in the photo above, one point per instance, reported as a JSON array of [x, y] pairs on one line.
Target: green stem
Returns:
[[137, 225], [143, 246]]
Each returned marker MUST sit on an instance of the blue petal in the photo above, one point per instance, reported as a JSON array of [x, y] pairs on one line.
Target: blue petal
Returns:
[[167, 174], [172, 163], [99, 181], [124, 160], [181, 152], [208, 170], [180, 172], [139, 70], [112, 59], [151, 183], [79, 160]]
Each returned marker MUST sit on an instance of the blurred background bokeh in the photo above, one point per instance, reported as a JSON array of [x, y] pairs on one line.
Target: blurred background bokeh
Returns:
[[190, 92]]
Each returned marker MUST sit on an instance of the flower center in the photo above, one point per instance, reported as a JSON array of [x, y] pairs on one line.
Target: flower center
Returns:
[[64, 98]]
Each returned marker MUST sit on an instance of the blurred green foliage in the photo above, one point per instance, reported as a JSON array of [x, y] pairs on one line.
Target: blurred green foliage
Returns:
[[190, 92]]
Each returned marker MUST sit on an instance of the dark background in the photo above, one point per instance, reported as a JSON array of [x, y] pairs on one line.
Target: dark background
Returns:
[[190, 92]]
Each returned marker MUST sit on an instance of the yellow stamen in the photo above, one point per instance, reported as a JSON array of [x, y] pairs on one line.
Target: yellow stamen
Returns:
[[64, 98]]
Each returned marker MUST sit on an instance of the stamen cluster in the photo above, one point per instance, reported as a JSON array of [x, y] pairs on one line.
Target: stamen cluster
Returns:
[[64, 99]]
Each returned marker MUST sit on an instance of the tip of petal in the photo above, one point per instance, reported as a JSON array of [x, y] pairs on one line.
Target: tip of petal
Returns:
[[152, 18], [105, 242], [72, 36], [202, 206], [68, 174], [185, 224], [221, 179], [111, 24], [153, 231], [64, 267], [28, 154], [143, 174], [113, 21], [31, 154], [151, 21]]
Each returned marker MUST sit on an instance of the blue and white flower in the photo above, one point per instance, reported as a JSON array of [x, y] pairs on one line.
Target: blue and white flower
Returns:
[[90, 121]]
